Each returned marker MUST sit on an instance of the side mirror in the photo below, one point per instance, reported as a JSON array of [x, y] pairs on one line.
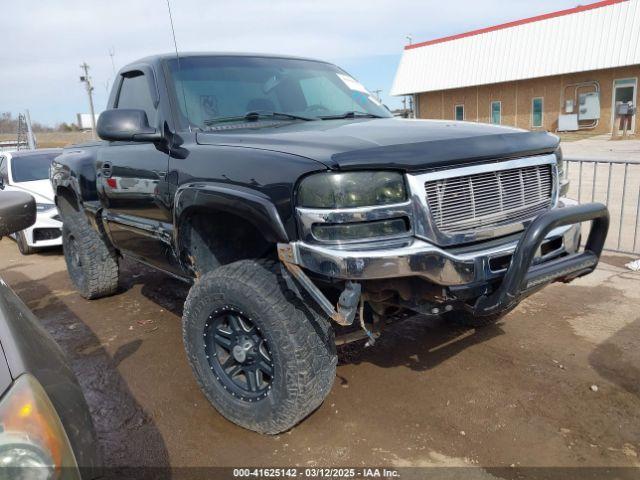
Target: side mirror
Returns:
[[17, 212], [126, 125]]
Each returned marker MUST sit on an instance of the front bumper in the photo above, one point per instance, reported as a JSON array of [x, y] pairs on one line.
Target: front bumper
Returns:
[[46, 232], [522, 263]]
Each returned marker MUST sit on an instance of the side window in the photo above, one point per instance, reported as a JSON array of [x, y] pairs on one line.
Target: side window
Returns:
[[134, 93]]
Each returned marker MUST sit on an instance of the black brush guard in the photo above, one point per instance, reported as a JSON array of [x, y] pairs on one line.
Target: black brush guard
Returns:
[[522, 278]]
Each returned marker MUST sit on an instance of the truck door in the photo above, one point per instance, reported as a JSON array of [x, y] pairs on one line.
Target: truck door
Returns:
[[132, 180]]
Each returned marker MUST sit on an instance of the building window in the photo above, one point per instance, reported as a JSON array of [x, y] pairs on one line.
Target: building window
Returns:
[[459, 112], [496, 112], [536, 112]]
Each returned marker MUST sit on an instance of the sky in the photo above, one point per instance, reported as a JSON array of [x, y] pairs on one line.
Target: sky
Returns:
[[45, 42]]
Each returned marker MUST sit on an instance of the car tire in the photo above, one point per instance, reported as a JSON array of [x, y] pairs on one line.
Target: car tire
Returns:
[[467, 319], [291, 356], [23, 245], [91, 262]]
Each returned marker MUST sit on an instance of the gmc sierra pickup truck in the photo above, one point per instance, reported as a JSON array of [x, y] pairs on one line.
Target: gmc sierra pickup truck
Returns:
[[299, 209]]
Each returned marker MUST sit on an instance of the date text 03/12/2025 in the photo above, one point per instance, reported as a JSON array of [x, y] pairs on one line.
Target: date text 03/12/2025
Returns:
[[315, 473]]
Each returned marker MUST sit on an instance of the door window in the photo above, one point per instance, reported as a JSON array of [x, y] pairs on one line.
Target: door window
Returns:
[[624, 91], [134, 93]]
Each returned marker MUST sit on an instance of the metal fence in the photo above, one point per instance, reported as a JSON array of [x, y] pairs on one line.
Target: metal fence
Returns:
[[615, 183]]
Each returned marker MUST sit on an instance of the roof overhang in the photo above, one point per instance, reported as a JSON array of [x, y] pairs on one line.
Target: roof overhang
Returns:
[[590, 37]]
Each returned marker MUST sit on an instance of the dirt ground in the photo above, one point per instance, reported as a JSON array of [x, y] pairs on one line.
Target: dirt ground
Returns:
[[427, 394]]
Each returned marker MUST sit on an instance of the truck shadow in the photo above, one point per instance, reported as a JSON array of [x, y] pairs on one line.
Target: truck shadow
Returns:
[[166, 291], [418, 343], [121, 424]]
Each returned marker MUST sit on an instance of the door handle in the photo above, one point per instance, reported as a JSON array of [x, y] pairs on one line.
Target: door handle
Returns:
[[106, 169]]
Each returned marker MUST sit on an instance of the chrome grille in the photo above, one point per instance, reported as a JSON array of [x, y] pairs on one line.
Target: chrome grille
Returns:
[[480, 201]]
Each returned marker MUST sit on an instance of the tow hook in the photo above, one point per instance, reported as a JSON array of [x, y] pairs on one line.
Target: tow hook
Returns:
[[348, 301]]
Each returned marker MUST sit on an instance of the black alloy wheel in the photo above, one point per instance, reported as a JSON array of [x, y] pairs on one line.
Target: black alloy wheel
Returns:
[[238, 354]]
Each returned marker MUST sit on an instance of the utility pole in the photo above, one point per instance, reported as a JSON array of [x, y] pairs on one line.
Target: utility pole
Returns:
[[22, 142], [86, 79], [31, 141], [112, 52], [377, 94]]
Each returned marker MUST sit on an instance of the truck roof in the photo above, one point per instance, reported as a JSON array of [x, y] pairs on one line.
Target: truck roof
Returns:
[[152, 59]]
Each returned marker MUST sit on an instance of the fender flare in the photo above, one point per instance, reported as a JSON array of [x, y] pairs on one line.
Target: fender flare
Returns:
[[252, 205]]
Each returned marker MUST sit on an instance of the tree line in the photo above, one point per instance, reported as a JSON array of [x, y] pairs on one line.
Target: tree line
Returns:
[[9, 125]]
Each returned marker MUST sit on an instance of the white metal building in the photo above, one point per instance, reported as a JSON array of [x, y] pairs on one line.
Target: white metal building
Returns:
[[529, 72]]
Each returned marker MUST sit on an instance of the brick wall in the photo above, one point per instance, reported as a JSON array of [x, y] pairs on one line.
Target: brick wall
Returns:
[[516, 99]]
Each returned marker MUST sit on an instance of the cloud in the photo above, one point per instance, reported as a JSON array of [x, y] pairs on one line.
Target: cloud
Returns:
[[44, 42]]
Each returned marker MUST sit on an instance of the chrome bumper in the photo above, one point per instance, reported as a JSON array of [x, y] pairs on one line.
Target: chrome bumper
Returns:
[[418, 258], [415, 258], [521, 270]]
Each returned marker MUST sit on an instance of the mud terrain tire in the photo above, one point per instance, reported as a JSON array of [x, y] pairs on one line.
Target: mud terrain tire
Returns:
[[91, 262], [299, 346]]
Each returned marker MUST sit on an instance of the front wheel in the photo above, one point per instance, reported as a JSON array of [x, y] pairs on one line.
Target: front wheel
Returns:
[[264, 359]]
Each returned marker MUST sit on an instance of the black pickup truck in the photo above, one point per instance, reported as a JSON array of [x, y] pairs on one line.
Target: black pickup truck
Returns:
[[299, 209]]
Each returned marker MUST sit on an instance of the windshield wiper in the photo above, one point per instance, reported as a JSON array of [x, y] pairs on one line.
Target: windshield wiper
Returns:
[[255, 116], [350, 114]]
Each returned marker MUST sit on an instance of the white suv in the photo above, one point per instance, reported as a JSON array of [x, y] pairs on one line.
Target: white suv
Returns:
[[28, 171]]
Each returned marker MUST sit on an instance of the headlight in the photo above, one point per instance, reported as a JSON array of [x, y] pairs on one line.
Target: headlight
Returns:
[[44, 207], [563, 181], [351, 189], [360, 230], [33, 443]]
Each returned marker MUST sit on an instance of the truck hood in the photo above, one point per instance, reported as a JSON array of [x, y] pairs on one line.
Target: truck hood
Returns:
[[408, 145]]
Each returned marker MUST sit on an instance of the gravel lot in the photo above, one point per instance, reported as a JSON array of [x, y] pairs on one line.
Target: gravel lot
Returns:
[[516, 394], [601, 147]]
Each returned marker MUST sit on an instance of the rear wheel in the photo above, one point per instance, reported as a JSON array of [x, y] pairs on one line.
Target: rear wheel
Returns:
[[23, 245], [91, 263], [264, 359]]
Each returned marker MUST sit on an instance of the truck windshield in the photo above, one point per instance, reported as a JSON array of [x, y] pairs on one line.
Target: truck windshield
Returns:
[[216, 89], [28, 168]]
